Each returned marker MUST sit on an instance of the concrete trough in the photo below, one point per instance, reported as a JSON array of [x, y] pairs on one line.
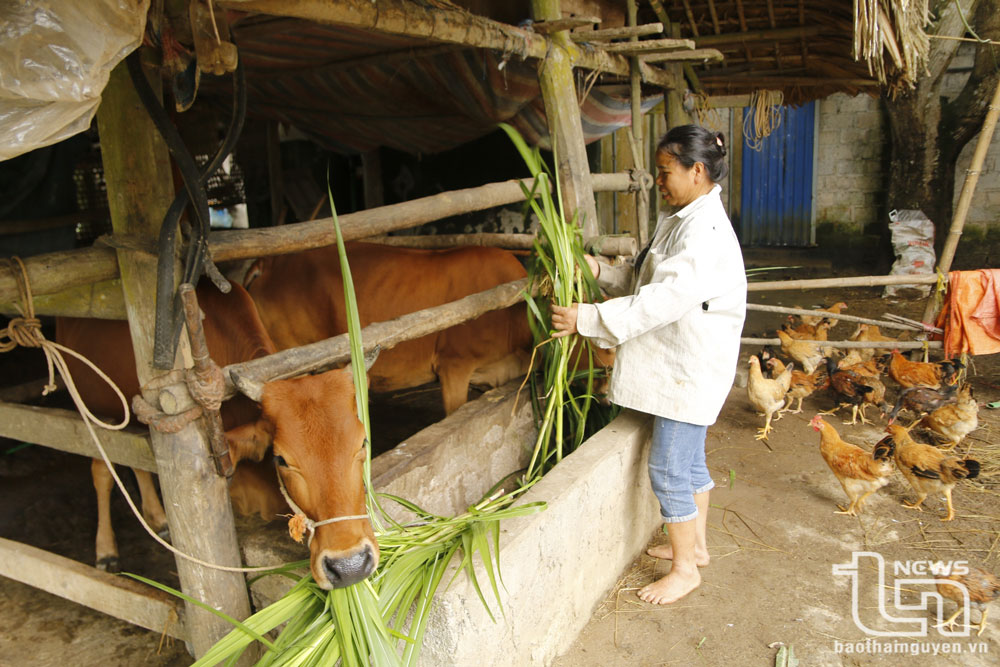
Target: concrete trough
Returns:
[[557, 565]]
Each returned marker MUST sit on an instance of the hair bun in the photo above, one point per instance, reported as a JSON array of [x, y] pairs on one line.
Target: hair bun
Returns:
[[720, 141]]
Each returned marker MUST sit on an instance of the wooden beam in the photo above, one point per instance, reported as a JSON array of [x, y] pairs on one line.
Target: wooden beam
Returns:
[[437, 24], [64, 430], [852, 344], [55, 272], [139, 181], [121, 597], [779, 81], [609, 34], [702, 55], [758, 36], [103, 300], [335, 351], [851, 281]]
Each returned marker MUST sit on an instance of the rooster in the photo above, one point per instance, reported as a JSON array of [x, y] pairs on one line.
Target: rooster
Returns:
[[860, 473], [767, 396], [929, 469], [913, 373], [921, 400]]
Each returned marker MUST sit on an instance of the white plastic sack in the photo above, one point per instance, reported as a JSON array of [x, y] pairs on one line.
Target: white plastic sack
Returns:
[[55, 59], [913, 244]]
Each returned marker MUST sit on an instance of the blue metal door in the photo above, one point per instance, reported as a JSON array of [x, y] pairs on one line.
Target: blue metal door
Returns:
[[776, 204]]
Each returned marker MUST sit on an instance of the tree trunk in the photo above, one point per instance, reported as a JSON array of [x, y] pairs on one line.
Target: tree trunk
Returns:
[[928, 131]]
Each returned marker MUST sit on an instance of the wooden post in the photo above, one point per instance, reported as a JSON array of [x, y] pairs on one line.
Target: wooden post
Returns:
[[965, 199], [638, 145], [137, 170], [562, 109]]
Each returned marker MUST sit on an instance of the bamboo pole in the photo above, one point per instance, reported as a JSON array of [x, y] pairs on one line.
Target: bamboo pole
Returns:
[[54, 272], [834, 316], [852, 344], [635, 129], [334, 351], [608, 34], [609, 246], [140, 189], [965, 199], [853, 281]]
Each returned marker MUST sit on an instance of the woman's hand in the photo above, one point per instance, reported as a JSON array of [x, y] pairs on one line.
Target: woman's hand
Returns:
[[564, 320]]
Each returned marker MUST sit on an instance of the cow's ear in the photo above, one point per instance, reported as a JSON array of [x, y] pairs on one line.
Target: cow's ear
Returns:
[[253, 273], [249, 441], [370, 357]]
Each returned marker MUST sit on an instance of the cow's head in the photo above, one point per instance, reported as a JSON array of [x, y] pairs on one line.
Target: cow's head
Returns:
[[319, 446]]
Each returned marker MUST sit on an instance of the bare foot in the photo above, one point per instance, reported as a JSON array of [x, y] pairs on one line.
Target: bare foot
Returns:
[[671, 588], [666, 552]]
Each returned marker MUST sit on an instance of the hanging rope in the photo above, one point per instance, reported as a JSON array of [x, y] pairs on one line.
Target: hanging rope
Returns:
[[763, 117], [27, 332]]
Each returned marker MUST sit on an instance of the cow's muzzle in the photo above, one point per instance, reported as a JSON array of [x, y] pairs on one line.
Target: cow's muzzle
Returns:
[[343, 571]]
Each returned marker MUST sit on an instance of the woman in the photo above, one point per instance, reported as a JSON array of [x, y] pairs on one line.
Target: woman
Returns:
[[677, 329]]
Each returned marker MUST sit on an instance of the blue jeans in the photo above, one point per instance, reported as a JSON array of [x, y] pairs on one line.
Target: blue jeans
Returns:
[[677, 469]]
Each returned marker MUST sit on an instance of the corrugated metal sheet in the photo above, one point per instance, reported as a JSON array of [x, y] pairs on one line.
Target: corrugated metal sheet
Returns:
[[777, 183]]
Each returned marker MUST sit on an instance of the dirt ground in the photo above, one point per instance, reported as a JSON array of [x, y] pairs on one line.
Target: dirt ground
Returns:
[[773, 538]]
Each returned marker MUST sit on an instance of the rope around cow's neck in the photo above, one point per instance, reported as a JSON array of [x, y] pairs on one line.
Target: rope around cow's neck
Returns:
[[27, 332], [300, 521]]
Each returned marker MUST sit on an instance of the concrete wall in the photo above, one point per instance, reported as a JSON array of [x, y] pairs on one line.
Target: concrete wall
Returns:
[[557, 565]]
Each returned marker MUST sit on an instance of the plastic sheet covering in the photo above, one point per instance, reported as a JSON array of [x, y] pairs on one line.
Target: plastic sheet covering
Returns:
[[55, 59]]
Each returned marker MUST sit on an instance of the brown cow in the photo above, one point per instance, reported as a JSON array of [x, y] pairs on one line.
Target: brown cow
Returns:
[[301, 300], [309, 423]]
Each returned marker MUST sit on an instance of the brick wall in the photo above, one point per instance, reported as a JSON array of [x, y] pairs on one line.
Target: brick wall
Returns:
[[850, 181]]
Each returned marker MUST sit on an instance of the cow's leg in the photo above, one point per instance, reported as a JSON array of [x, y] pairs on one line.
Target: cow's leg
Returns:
[[152, 509], [455, 377], [106, 548]]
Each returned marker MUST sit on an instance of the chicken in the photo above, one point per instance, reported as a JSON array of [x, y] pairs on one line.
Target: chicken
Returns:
[[808, 331], [921, 400], [802, 384], [860, 473], [928, 469], [804, 352], [874, 367], [767, 396], [955, 421], [926, 374], [982, 588], [870, 332], [857, 390], [835, 309]]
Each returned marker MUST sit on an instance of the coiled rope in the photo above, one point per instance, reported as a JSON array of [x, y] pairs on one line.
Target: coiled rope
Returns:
[[26, 331], [762, 117]]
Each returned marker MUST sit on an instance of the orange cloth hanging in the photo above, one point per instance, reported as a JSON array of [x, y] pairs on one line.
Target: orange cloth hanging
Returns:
[[971, 314]]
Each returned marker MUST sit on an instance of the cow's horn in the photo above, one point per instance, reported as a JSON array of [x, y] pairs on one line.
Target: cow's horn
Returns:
[[370, 357], [249, 388]]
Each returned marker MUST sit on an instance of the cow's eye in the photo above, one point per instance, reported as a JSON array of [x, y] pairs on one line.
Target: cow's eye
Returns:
[[280, 460]]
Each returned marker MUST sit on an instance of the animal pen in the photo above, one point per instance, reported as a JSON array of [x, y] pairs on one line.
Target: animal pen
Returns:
[[117, 280]]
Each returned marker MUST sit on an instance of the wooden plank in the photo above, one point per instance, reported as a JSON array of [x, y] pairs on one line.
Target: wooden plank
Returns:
[[64, 430], [336, 351], [550, 26], [694, 55], [758, 36], [56, 272], [139, 180], [609, 34], [648, 46], [121, 597]]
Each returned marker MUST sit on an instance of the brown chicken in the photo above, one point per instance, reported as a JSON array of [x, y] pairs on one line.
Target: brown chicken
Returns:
[[808, 331], [874, 367], [767, 396], [925, 374], [835, 309], [921, 400], [860, 473], [857, 390], [928, 469], [802, 384], [870, 332], [982, 588], [955, 421], [804, 352]]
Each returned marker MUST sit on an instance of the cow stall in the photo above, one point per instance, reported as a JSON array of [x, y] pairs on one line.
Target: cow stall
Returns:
[[116, 280]]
